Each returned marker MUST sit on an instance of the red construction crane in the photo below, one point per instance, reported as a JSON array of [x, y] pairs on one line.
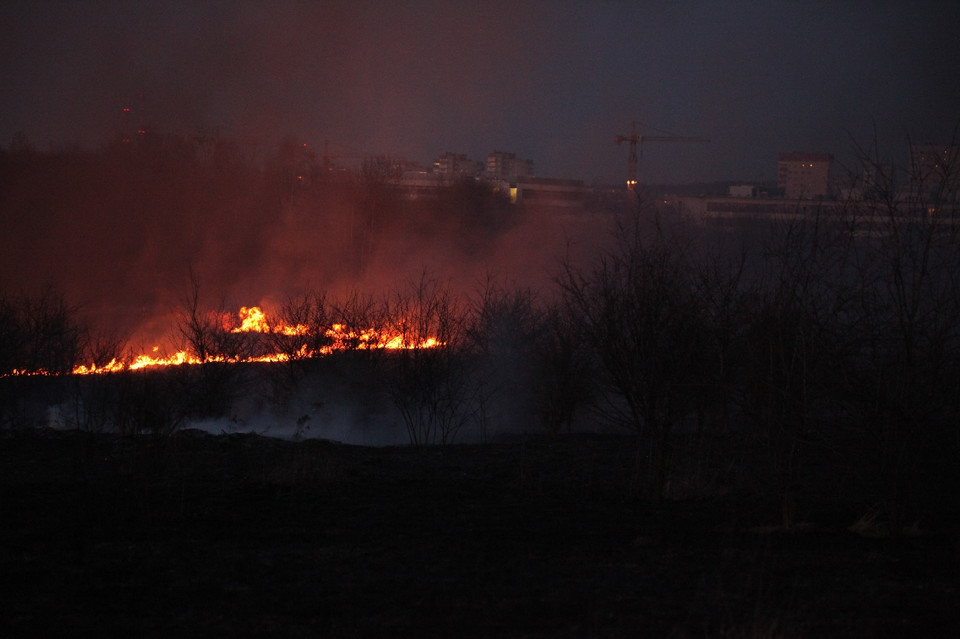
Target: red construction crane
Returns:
[[636, 140]]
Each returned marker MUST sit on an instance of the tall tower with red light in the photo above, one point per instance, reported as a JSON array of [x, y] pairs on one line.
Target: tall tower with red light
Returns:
[[132, 120]]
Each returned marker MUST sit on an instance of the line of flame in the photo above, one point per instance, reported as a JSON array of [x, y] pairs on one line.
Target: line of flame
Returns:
[[253, 320]]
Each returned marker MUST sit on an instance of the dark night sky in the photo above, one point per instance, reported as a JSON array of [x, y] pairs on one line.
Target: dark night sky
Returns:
[[553, 81]]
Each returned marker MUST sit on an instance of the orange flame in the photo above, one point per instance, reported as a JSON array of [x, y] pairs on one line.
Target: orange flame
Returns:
[[254, 320]]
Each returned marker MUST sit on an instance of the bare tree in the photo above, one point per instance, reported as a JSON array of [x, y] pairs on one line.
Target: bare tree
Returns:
[[646, 325], [214, 384], [904, 378], [794, 338], [309, 318], [43, 333], [563, 381], [302, 337], [722, 287], [205, 332], [426, 378], [39, 333], [94, 396]]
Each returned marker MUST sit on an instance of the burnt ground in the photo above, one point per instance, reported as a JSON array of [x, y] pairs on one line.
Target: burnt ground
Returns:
[[240, 535]]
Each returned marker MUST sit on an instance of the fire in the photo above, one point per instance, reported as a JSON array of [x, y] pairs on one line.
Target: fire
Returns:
[[339, 337], [113, 366], [177, 359], [253, 320], [344, 338]]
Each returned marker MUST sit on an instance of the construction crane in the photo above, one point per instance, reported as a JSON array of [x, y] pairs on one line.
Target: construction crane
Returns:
[[636, 140]]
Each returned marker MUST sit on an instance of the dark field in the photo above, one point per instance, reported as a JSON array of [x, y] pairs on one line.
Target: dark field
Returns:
[[240, 535]]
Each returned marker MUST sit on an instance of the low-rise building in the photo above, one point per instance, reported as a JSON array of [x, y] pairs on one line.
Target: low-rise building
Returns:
[[553, 192]]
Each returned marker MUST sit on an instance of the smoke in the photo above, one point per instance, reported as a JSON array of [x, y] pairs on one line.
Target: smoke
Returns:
[[124, 231], [325, 406]]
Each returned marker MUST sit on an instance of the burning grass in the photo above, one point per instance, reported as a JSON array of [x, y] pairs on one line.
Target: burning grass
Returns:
[[252, 321]]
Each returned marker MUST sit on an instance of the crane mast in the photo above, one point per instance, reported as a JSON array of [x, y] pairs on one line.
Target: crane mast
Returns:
[[636, 140]]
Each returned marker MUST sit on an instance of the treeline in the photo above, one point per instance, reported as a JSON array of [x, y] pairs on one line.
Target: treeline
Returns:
[[183, 176]]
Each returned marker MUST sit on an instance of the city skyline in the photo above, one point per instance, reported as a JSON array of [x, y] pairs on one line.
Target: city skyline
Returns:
[[555, 82]]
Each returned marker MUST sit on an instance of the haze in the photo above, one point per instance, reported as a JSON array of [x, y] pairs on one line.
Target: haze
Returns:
[[552, 81]]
